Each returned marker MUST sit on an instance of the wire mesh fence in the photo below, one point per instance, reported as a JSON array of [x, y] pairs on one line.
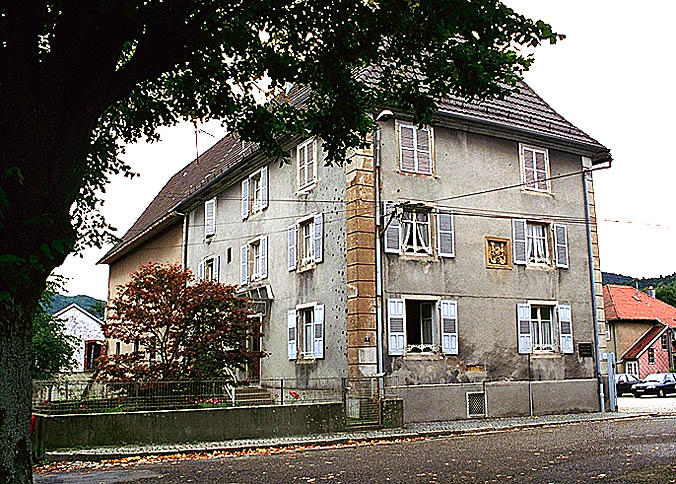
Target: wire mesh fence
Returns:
[[89, 396]]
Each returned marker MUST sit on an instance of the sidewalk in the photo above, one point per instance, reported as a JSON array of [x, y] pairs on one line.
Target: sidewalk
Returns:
[[432, 429]]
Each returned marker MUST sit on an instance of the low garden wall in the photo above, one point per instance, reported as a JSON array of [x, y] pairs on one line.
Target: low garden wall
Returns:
[[190, 425]]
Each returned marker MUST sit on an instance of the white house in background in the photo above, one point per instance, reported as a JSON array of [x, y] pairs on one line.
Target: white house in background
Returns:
[[88, 331]]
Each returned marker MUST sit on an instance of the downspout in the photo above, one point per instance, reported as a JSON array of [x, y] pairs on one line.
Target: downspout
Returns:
[[379, 272], [184, 248], [586, 164]]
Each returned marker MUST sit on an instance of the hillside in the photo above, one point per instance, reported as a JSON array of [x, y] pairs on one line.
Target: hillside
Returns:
[[93, 305], [611, 278]]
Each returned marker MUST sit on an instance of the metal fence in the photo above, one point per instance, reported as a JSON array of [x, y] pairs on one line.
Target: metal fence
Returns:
[[87, 396]]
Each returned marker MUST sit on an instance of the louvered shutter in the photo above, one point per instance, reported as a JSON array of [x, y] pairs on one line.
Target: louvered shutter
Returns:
[[200, 270], [423, 150], [523, 328], [210, 217], [265, 193], [407, 148], [217, 268], [264, 258], [528, 168], [561, 245], [395, 326], [245, 198], [292, 239], [300, 158], [519, 241], [244, 264], [541, 170], [445, 236], [319, 237], [449, 327], [310, 164], [319, 331], [565, 328], [291, 333], [393, 228]]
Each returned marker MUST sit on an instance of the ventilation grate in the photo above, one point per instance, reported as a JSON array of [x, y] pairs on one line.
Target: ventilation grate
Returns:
[[476, 404]]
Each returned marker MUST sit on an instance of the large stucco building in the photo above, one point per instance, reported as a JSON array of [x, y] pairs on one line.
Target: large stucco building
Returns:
[[459, 261]]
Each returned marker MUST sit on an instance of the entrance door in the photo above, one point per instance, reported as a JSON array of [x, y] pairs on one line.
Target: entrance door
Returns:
[[253, 372]]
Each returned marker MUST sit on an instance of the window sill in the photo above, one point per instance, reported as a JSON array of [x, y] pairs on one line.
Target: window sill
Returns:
[[539, 266], [418, 257], [545, 354], [422, 356], [306, 267], [306, 189], [305, 361], [416, 173], [533, 191]]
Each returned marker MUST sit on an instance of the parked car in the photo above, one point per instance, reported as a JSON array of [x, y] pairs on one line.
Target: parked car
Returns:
[[660, 384], [624, 382]]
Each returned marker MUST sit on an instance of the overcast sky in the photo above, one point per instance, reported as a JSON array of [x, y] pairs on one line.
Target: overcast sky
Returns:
[[612, 77]]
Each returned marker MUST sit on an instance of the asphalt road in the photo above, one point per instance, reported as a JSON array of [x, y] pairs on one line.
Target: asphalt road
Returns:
[[627, 451]]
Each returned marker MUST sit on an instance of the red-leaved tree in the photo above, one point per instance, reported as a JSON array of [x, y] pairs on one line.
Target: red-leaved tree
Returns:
[[182, 327]]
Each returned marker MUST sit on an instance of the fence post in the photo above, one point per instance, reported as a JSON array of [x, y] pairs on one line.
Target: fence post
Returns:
[[281, 391], [343, 387]]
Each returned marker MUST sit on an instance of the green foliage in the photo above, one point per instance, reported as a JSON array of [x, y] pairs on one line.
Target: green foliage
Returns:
[[667, 293], [52, 349], [643, 283]]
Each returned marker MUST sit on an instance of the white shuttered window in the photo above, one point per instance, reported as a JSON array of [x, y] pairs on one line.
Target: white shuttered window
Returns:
[[395, 326], [519, 241], [523, 328], [392, 226], [291, 333], [565, 328], [534, 163], [449, 327], [415, 149], [210, 217], [306, 154], [445, 236], [561, 245]]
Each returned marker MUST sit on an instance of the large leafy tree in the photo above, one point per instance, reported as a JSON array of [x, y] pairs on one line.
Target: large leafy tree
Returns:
[[184, 328], [667, 293], [79, 78]]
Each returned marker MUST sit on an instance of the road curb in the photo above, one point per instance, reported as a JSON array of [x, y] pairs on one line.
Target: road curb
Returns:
[[319, 442]]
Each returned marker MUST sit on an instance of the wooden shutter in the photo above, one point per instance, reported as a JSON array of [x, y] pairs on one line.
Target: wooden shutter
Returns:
[[319, 331], [423, 150], [292, 333], [310, 165], [565, 328], [519, 241], [300, 160], [528, 168], [244, 264], [264, 258], [292, 233], [210, 217], [523, 328], [445, 236], [541, 170], [407, 148], [392, 227], [265, 192], [561, 245], [449, 327], [200, 270], [319, 238], [245, 198], [217, 268], [395, 326]]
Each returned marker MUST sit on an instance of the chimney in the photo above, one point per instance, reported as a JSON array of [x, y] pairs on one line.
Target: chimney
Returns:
[[651, 291]]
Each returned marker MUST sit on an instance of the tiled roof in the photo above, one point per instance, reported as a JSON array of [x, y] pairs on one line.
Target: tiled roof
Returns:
[[523, 110], [628, 303], [637, 348]]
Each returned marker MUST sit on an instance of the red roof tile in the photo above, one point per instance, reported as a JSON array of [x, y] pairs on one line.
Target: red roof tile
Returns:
[[626, 302], [637, 348]]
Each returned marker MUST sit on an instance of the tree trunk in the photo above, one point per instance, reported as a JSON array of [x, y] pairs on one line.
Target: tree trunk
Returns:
[[15, 396]]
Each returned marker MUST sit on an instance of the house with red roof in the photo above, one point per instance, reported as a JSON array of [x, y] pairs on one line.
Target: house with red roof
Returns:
[[640, 330]]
